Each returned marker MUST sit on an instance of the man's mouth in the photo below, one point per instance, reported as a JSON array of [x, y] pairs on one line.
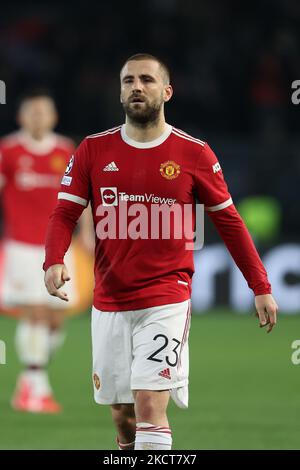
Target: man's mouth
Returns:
[[137, 100]]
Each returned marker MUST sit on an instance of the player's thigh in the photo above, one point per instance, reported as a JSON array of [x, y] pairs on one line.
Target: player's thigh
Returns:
[[159, 345], [23, 274]]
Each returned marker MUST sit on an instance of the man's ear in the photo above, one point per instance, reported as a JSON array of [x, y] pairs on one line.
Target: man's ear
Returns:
[[168, 93]]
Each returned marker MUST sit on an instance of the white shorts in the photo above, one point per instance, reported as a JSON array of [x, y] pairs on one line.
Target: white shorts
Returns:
[[141, 350], [23, 277]]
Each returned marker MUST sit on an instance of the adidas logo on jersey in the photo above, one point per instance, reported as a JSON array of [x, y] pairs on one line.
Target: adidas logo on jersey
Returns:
[[111, 167], [165, 374]]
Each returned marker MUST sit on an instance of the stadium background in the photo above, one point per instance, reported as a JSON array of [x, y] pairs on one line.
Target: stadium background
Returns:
[[232, 67]]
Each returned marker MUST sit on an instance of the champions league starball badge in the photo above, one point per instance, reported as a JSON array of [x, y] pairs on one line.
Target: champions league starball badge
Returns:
[[70, 165]]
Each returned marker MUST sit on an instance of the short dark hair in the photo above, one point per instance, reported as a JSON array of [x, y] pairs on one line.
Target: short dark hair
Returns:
[[146, 56], [35, 93]]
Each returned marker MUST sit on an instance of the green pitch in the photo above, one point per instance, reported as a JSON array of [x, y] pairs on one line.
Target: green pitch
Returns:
[[244, 390]]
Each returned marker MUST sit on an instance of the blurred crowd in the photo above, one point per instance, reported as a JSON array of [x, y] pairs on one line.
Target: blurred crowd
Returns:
[[232, 64]]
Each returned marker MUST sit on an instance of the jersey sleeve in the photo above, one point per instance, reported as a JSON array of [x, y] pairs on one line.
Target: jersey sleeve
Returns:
[[75, 184], [210, 185], [212, 191], [2, 168], [236, 237]]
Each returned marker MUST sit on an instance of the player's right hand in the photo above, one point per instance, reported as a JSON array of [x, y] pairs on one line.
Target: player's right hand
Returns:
[[55, 277]]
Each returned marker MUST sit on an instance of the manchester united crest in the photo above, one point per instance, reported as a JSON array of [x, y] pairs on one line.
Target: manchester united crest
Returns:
[[58, 163], [96, 381], [169, 170]]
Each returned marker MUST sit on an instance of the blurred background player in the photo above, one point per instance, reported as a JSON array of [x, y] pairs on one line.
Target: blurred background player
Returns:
[[32, 162]]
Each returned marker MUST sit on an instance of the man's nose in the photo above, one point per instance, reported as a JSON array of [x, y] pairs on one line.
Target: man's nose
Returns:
[[137, 85]]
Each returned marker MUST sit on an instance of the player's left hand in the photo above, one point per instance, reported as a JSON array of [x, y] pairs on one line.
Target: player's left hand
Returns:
[[266, 309]]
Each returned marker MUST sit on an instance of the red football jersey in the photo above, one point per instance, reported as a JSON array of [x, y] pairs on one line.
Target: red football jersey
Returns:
[[30, 176], [109, 169]]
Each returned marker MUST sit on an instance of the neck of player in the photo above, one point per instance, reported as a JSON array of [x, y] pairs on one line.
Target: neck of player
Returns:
[[148, 133], [37, 135]]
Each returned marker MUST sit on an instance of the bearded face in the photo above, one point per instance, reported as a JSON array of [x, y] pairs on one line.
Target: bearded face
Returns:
[[144, 90], [141, 110]]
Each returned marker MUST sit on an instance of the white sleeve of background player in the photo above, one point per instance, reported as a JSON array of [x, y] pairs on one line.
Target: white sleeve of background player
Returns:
[[210, 185], [75, 184]]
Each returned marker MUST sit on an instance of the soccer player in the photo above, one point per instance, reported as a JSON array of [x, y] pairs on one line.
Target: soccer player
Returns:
[[32, 161], [141, 313]]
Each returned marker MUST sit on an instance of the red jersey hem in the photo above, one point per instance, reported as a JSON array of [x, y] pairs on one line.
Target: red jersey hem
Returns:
[[141, 304]]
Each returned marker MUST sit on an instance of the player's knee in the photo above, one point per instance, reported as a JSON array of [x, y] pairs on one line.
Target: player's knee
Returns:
[[123, 417], [148, 404], [35, 314], [55, 319]]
